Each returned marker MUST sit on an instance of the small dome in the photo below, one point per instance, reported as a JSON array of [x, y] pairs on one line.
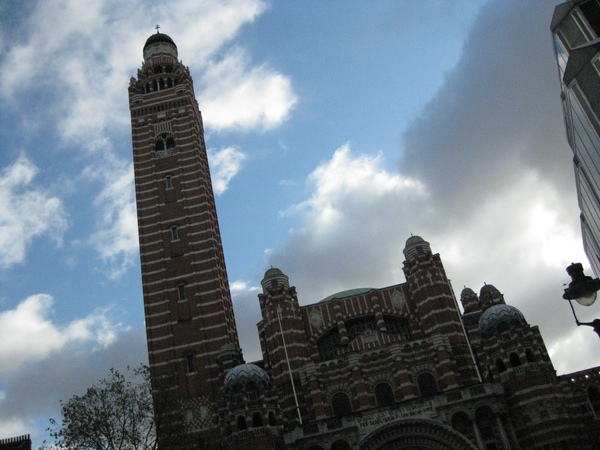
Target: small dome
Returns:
[[489, 295], [159, 37], [467, 292], [274, 278], [499, 318], [488, 289], [246, 377], [416, 245]]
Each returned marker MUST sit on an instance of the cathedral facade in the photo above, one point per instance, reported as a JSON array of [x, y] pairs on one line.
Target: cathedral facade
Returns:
[[402, 366]]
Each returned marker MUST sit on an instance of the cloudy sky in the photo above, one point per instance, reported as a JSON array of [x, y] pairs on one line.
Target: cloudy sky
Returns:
[[335, 131]]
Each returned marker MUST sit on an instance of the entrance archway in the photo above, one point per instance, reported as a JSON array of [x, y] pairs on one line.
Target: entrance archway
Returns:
[[415, 434]]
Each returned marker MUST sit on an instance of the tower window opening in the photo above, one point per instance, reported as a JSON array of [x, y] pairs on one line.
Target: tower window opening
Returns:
[[169, 82], [529, 355], [272, 420], [155, 86], [181, 292], [174, 233], [515, 360], [164, 142], [241, 423], [169, 181], [161, 84], [257, 420], [190, 364], [500, 366]]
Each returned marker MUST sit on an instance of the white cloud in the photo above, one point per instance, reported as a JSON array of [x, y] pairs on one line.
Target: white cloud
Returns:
[[224, 165], [117, 237], [26, 212], [240, 96], [27, 335]]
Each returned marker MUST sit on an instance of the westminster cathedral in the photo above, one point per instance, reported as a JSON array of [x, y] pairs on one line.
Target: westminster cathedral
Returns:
[[405, 366]]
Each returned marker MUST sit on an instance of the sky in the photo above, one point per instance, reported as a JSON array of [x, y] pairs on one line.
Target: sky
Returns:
[[335, 130]]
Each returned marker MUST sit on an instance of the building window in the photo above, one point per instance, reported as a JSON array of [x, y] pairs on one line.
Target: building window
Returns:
[[515, 360], [169, 182], [241, 423], [164, 142], [398, 325], [190, 364], [340, 445], [594, 398], [384, 395], [257, 420], [340, 403], [181, 292], [355, 327], [500, 366], [272, 420], [174, 233], [427, 385], [328, 344]]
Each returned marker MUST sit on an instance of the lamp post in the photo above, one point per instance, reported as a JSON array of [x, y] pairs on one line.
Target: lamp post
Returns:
[[583, 290]]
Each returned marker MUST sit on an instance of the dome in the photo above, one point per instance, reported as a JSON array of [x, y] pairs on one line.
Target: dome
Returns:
[[157, 38], [467, 292], [274, 278], [347, 293], [246, 377], [499, 318], [416, 245]]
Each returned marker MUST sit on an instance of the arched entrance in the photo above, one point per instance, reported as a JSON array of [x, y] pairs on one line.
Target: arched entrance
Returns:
[[415, 435]]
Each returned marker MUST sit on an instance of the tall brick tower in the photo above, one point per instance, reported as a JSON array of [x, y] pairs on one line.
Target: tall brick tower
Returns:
[[188, 307]]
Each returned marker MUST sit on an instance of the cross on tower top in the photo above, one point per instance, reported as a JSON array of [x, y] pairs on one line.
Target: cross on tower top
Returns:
[[157, 28]]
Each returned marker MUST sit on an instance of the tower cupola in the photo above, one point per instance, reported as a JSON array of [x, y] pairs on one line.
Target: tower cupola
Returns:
[[159, 43], [415, 246], [469, 300], [274, 278]]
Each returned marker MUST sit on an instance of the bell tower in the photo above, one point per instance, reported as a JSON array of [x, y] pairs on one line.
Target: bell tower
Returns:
[[188, 307]]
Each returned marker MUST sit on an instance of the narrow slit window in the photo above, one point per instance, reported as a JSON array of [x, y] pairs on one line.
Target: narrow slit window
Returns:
[[175, 233], [169, 181], [181, 292], [190, 364]]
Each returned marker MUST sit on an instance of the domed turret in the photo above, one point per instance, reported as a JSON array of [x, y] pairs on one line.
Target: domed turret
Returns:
[[489, 295], [469, 300], [159, 43], [246, 377], [416, 245], [274, 278], [499, 318]]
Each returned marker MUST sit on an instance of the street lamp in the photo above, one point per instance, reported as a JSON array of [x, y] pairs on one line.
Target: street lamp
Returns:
[[583, 290]]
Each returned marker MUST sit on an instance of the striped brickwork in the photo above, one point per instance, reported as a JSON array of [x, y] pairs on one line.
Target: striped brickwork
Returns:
[[188, 307]]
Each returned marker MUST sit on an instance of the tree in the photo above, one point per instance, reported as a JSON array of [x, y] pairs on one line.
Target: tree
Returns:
[[114, 414]]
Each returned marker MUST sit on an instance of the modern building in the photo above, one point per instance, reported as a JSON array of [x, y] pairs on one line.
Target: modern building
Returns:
[[371, 368], [576, 31]]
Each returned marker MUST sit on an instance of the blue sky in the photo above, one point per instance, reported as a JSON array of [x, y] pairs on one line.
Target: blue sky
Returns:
[[335, 130]]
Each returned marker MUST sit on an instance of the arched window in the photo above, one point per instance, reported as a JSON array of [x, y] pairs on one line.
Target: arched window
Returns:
[[272, 419], [463, 424], [398, 325], [161, 84], [164, 142], [241, 423], [169, 82], [384, 395], [354, 327], [155, 86], [515, 360], [427, 385], [500, 366], [257, 420], [340, 403], [340, 445], [529, 355], [328, 344], [486, 422]]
